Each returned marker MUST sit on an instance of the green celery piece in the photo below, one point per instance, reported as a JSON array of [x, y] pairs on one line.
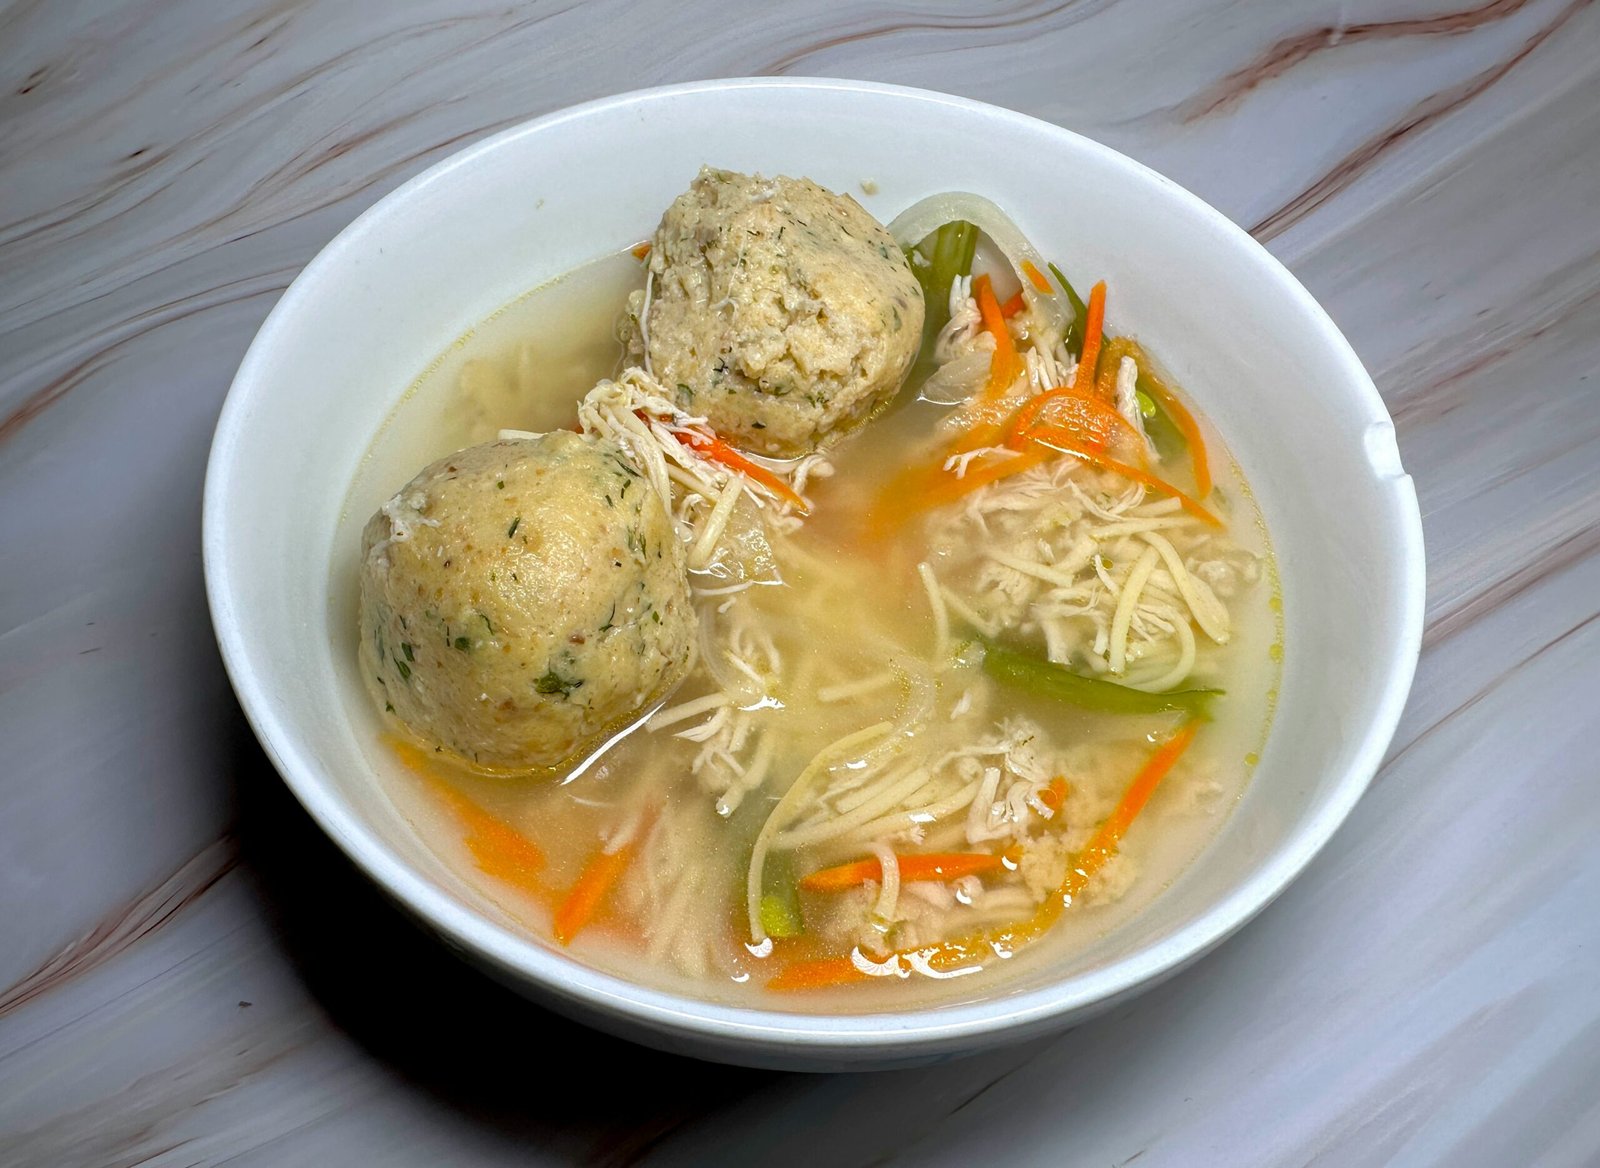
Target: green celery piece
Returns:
[[1080, 313], [1169, 440], [779, 918], [936, 266], [1047, 680], [780, 898]]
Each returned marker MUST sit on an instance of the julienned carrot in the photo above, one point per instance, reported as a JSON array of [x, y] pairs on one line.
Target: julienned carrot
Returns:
[[937, 488], [1037, 278], [1108, 836], [918, 489], [827, 972], [920, 486], [1054, 796], [937, 866], [640, 251], [717, 450], [499, 849], [817, 974], [1005, 364], [987, 420], [1112, 351], [1013, 306], [1093, 420], [988, 411], [586, 897], [1110, 362], [1083, 380], [948, 488], [1190, 429], [1068, 443]]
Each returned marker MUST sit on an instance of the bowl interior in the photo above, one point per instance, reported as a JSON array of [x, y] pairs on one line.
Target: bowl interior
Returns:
[[381, 302]]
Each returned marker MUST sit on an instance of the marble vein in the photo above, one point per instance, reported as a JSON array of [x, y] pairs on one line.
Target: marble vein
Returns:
[[1423, 996], [1413, 122]]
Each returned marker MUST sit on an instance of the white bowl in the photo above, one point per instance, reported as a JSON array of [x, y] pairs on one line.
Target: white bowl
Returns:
[[451, 246]]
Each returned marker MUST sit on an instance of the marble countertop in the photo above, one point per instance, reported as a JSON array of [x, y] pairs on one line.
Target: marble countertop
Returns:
[[187, 966]]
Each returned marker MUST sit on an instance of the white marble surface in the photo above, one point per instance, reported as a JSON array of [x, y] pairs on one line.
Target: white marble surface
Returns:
[[189, 973]]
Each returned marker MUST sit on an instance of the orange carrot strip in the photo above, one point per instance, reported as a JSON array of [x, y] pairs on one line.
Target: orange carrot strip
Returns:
[[1068, 443], [1054, 796], [899, 499], [499, 849], [826, 972], [816, 974], [938, 866], [949, 488], [1037, 278], [1112, 352], [1005, 364], [1013, 306], [988, 424], [1190, 429], [922, 489], [1093, 420], [587, 896], [1108, 837], [987, 428], [640, 250], [1028, 414], [1093, 327], [717, 450]]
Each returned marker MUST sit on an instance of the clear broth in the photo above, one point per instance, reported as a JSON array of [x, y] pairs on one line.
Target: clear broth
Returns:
[[525, 368]]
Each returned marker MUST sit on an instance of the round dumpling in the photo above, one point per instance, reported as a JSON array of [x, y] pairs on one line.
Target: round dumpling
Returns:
[[779, 311], [521, 598]]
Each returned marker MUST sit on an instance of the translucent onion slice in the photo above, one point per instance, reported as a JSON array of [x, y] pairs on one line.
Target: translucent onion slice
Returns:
[[956, 381], [923, 218]]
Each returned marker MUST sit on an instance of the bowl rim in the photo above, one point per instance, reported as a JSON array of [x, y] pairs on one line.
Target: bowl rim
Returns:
[[930, 1029]]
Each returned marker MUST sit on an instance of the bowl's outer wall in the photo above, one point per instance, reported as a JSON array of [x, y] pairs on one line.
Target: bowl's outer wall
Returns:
[[1261, 359]]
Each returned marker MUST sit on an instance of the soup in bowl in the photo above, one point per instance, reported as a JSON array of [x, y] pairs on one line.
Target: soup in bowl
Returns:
[[802, 609]]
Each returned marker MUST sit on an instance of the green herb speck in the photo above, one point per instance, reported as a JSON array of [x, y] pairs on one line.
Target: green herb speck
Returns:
[[512, 530], [463, 643], [553, 683], [405, 647]]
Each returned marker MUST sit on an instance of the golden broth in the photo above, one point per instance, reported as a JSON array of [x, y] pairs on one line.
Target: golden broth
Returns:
[[849, 623]]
